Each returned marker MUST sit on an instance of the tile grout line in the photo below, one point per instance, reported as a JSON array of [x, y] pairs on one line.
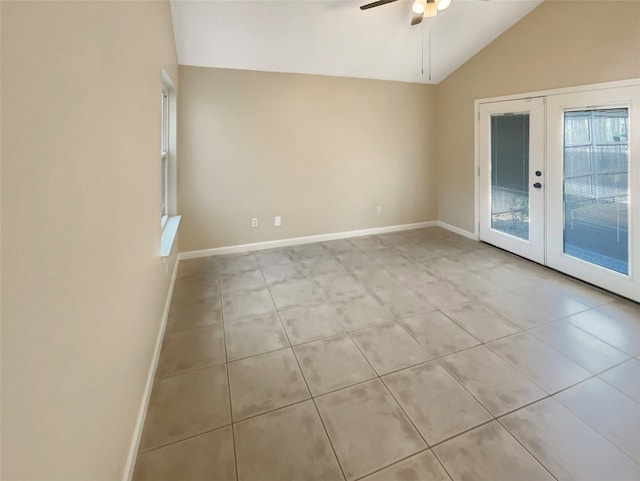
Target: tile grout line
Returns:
[[565, 319], [517, 371], [405, 413], [596, 430], [226, 356], [196, 369], [449, 373], [324, 427], [461, 433], [191, 436], [493, 416], [526, 449], [333, 449], [615, 387], [377, 470], [187, 329], [379, 377], [313, 398], [441, 463], [307, 385], [279, 408], [536, 383]]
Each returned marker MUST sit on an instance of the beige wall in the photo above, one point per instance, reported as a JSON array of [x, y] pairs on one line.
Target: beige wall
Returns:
[[559, 44], [83, 286], [322, 152]]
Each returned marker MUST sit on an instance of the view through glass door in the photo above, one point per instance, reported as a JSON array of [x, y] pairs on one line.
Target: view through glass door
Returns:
[[572, 205], [596, 187]]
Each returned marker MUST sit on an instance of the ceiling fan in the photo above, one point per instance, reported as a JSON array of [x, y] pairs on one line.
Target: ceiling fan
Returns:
[[419, 8]]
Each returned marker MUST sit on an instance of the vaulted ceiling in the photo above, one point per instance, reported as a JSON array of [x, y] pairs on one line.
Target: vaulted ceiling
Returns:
[[334, 37]]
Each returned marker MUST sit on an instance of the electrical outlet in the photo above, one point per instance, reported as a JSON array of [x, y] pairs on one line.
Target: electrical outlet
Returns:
[[277, 221], [379, 210], [254, 222]]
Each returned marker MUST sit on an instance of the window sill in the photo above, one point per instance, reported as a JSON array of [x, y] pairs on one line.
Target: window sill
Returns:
[[169, 234]]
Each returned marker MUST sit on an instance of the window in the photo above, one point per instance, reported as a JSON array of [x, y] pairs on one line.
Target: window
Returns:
[[164, 156], [169, 221]]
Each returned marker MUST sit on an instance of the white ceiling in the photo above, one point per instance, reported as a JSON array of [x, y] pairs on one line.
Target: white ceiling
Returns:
[[334, 37]]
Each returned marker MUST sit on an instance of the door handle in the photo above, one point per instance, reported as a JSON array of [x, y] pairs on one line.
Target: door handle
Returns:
[[537, 185]]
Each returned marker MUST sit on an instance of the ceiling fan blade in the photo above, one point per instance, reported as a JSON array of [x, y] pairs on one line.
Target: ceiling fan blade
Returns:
[[416, 18], [376, 4]]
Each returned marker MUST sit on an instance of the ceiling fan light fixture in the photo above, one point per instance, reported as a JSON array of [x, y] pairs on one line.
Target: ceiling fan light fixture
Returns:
[[419, 6], [430, 10], [442, 4]]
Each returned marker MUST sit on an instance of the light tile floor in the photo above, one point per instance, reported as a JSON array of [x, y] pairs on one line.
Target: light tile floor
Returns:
[[418, 355]]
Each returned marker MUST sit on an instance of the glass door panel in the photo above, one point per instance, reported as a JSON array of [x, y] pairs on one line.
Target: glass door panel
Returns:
[[510, 174], [596, 187]]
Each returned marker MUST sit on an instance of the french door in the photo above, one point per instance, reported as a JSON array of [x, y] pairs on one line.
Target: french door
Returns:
[[593, 162], [511, 140], [560, 183]]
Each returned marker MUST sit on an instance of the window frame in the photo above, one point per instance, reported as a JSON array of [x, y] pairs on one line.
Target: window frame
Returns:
[[164, 156]]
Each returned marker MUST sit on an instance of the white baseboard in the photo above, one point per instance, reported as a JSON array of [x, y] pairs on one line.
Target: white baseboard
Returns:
[[146, 395], [457, 230], [302, 240]]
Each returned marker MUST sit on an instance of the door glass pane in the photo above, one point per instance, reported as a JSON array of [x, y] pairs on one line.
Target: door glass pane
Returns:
[[510, 174], [596, 187]]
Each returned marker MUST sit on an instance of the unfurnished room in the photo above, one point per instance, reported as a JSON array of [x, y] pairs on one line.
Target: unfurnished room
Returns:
[[318, 240]]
